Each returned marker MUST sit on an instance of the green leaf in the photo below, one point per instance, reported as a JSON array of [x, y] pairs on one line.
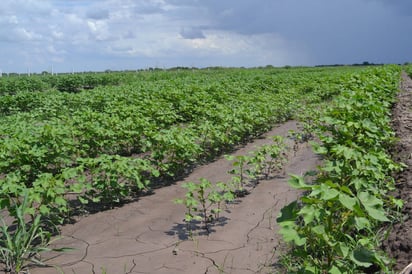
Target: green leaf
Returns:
[[343, 249], [318, 149], [362, 223], [334, 270], [373, 206], [188, 217], [83, 200], [44, 210], [328, 193], [77, 187], [178, 201], [69, 173], [290, 234], [319, 230], [347, 201], [298, 182], [308, 269], [60, 201], [288, 213], [362, 257], [308, 213], [346, 190], [229, 157], [397, 202]]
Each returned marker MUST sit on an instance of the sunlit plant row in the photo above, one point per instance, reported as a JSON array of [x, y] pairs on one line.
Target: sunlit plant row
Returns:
[[335, 226]]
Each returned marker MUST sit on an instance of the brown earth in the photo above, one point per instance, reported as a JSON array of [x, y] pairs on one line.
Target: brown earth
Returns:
[[150, 236], [399, 242]]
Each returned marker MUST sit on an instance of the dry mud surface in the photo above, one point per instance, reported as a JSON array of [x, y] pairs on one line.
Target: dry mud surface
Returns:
[[150, 236], [399, 242]]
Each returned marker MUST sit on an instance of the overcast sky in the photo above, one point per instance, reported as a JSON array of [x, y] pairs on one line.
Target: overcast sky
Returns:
[[95, 35]]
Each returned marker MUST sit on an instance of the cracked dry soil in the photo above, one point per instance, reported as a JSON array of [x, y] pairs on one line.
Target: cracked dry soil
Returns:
[[150, 236]]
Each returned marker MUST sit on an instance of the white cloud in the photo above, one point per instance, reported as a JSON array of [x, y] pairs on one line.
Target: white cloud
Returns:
[[26, 35], [99, 30], [52, 50]]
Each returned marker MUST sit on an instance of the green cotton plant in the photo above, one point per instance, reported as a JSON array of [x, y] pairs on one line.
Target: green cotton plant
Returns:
[[114, 178], [334, 227], [260, 164], [22, 243], [47, 192], [204, 200], [240, 171], [173, 149], [331, 225], [267, 159], [275, 156]]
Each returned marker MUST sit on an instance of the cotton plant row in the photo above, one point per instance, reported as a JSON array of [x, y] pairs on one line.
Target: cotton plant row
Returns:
[[335, 227]]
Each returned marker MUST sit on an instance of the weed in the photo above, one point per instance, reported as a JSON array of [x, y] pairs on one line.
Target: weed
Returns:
[[22, 244]]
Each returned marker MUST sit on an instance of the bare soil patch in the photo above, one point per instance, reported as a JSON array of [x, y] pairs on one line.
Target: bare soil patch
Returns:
[[399, 242], [150, 236]]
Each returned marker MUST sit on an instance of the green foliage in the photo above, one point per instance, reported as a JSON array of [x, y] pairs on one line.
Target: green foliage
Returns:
[[408, 68], [171, 120], [333, 228], [113, 178], [109, 135]]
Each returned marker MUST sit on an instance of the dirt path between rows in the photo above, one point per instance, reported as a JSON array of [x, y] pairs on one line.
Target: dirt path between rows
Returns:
[[399, 242], [149, 236]]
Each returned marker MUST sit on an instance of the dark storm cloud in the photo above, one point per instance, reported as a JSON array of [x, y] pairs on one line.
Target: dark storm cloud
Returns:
[[403, 7], [148, 8], [97, 14], [333, 31], [192, 33]]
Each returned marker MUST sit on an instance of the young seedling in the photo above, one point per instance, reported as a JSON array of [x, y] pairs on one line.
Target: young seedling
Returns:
[[267, 159], [297, 138], [240, 167], [204, 201], [276, 156]]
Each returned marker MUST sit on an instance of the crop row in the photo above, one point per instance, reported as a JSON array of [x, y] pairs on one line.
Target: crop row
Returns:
[[335, 226], [408, 69], [63, 83], [109, 143]]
